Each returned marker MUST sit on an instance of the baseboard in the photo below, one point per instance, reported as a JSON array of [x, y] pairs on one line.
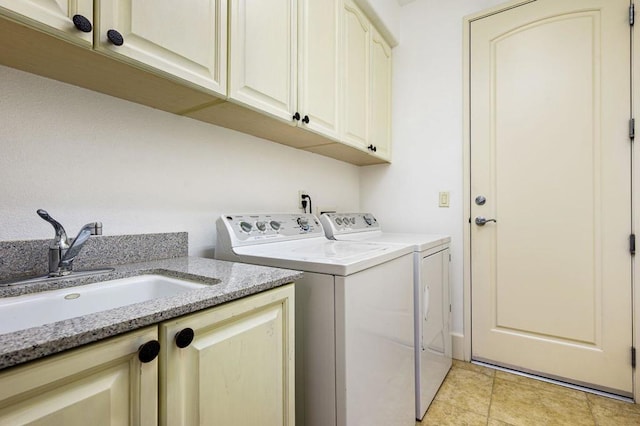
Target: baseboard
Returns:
[[458, 346]]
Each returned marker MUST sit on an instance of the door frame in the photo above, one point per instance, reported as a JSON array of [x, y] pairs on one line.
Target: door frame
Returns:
[[464, 352]]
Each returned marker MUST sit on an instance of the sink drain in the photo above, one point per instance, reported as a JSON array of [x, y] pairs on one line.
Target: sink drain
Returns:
[[72, 296]]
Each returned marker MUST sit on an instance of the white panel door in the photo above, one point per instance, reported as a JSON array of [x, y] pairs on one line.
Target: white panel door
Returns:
[[188, 41], [319, 93], [551, 278], [356, 79], [380, 136], [52, 16], [263, 55], [239, 369]]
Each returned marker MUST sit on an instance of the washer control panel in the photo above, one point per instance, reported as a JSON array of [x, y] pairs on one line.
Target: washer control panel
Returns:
[[258, 227], [345, 223]]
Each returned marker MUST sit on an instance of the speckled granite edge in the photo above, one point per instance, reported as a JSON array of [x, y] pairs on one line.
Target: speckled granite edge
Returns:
[[29, 258], [234, 281]]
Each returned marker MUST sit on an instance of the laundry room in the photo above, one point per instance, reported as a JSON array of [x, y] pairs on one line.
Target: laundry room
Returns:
[[296, 117]]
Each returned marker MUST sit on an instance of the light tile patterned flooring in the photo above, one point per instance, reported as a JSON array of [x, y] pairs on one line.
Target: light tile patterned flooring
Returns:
[[475, 395]]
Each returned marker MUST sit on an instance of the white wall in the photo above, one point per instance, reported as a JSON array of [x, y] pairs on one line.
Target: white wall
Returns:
[[427, 131], [84, 156]]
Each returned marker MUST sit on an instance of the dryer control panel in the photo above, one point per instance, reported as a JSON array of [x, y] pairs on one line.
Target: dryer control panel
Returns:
[[347, 223], [257, 228]]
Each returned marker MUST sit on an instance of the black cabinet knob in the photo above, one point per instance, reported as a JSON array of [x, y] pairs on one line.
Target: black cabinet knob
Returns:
[[149, 351], [372, 148], [184, 337], [115, 37], [82, 23], [296, 116], [305, 120], [375, 149]]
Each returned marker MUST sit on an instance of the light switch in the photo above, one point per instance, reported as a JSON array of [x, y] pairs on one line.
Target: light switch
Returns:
[[444, 199]]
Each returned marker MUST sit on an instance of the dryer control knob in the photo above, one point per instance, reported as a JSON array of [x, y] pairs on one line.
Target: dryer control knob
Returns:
[[262, 226], [338, 221], [275, 225]]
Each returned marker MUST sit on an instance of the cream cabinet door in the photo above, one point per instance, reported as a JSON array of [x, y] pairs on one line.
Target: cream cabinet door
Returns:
[[356, 78], [102, 384], [262, 43], [186, 41], [239, 368], [320, 63], [380, 104], [52, 16]]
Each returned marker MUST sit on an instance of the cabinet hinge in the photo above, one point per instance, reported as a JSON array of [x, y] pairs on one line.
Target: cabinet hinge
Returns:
[[633, 357], [632, 14], [449, 257], [632, 244], [632, 129]]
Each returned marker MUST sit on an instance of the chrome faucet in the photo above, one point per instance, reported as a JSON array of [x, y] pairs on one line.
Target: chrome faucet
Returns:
[[62, 253]]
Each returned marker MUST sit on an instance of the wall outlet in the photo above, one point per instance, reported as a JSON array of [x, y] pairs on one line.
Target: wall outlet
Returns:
[[301, 192]]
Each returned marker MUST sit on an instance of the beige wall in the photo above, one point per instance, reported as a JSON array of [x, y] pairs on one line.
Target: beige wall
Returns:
[[427, 131], [84, 156]]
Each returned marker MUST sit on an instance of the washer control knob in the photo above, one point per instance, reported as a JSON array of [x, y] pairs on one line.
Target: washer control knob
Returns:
[[246, 226], [345, 220], [275, 225], [369, 219], [353, 220], [304, 223], [338, 221], [262, 226]]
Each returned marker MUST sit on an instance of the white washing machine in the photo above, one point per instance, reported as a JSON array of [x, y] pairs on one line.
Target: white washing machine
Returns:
[[433, 344], [354, 317]]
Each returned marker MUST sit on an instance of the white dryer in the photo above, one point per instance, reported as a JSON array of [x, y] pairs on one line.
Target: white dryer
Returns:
[[354, 317], [433, 344]]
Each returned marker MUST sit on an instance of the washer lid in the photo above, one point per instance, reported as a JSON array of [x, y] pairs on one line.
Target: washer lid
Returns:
[[322, 255]]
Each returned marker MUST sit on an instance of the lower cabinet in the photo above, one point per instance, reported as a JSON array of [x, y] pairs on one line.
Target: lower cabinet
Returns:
[[230, 365], [239, 368], [103, 383]]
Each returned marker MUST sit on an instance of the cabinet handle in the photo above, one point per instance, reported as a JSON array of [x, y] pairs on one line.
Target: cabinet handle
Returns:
[[305, 120], [82, 23], [115, 37], [372, 148], [296, 116], [149, 351], [184, 337]]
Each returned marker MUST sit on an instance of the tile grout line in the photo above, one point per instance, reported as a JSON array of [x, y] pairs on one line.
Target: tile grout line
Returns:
[[590, 405], [493, 385]]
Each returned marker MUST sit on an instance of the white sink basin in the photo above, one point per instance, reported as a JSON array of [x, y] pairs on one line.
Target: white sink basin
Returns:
[[32, 310]]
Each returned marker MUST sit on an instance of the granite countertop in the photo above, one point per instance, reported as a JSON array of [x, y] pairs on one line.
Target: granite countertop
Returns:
[[228, 281]]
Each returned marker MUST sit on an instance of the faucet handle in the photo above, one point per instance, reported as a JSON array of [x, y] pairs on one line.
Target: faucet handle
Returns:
[[61, 240]]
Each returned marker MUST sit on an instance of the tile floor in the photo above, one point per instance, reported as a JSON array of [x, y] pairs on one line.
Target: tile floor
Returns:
[[475, 395]]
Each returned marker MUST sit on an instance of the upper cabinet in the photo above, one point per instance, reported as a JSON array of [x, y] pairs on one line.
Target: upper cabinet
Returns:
[[55, 16], [262, 55], [380, 103], [311, 74], [284, 60], [367, 102], [319, 66], [356, 51], [188, 42]]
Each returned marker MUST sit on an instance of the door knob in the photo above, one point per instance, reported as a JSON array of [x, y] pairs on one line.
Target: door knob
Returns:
[[481, 221]]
